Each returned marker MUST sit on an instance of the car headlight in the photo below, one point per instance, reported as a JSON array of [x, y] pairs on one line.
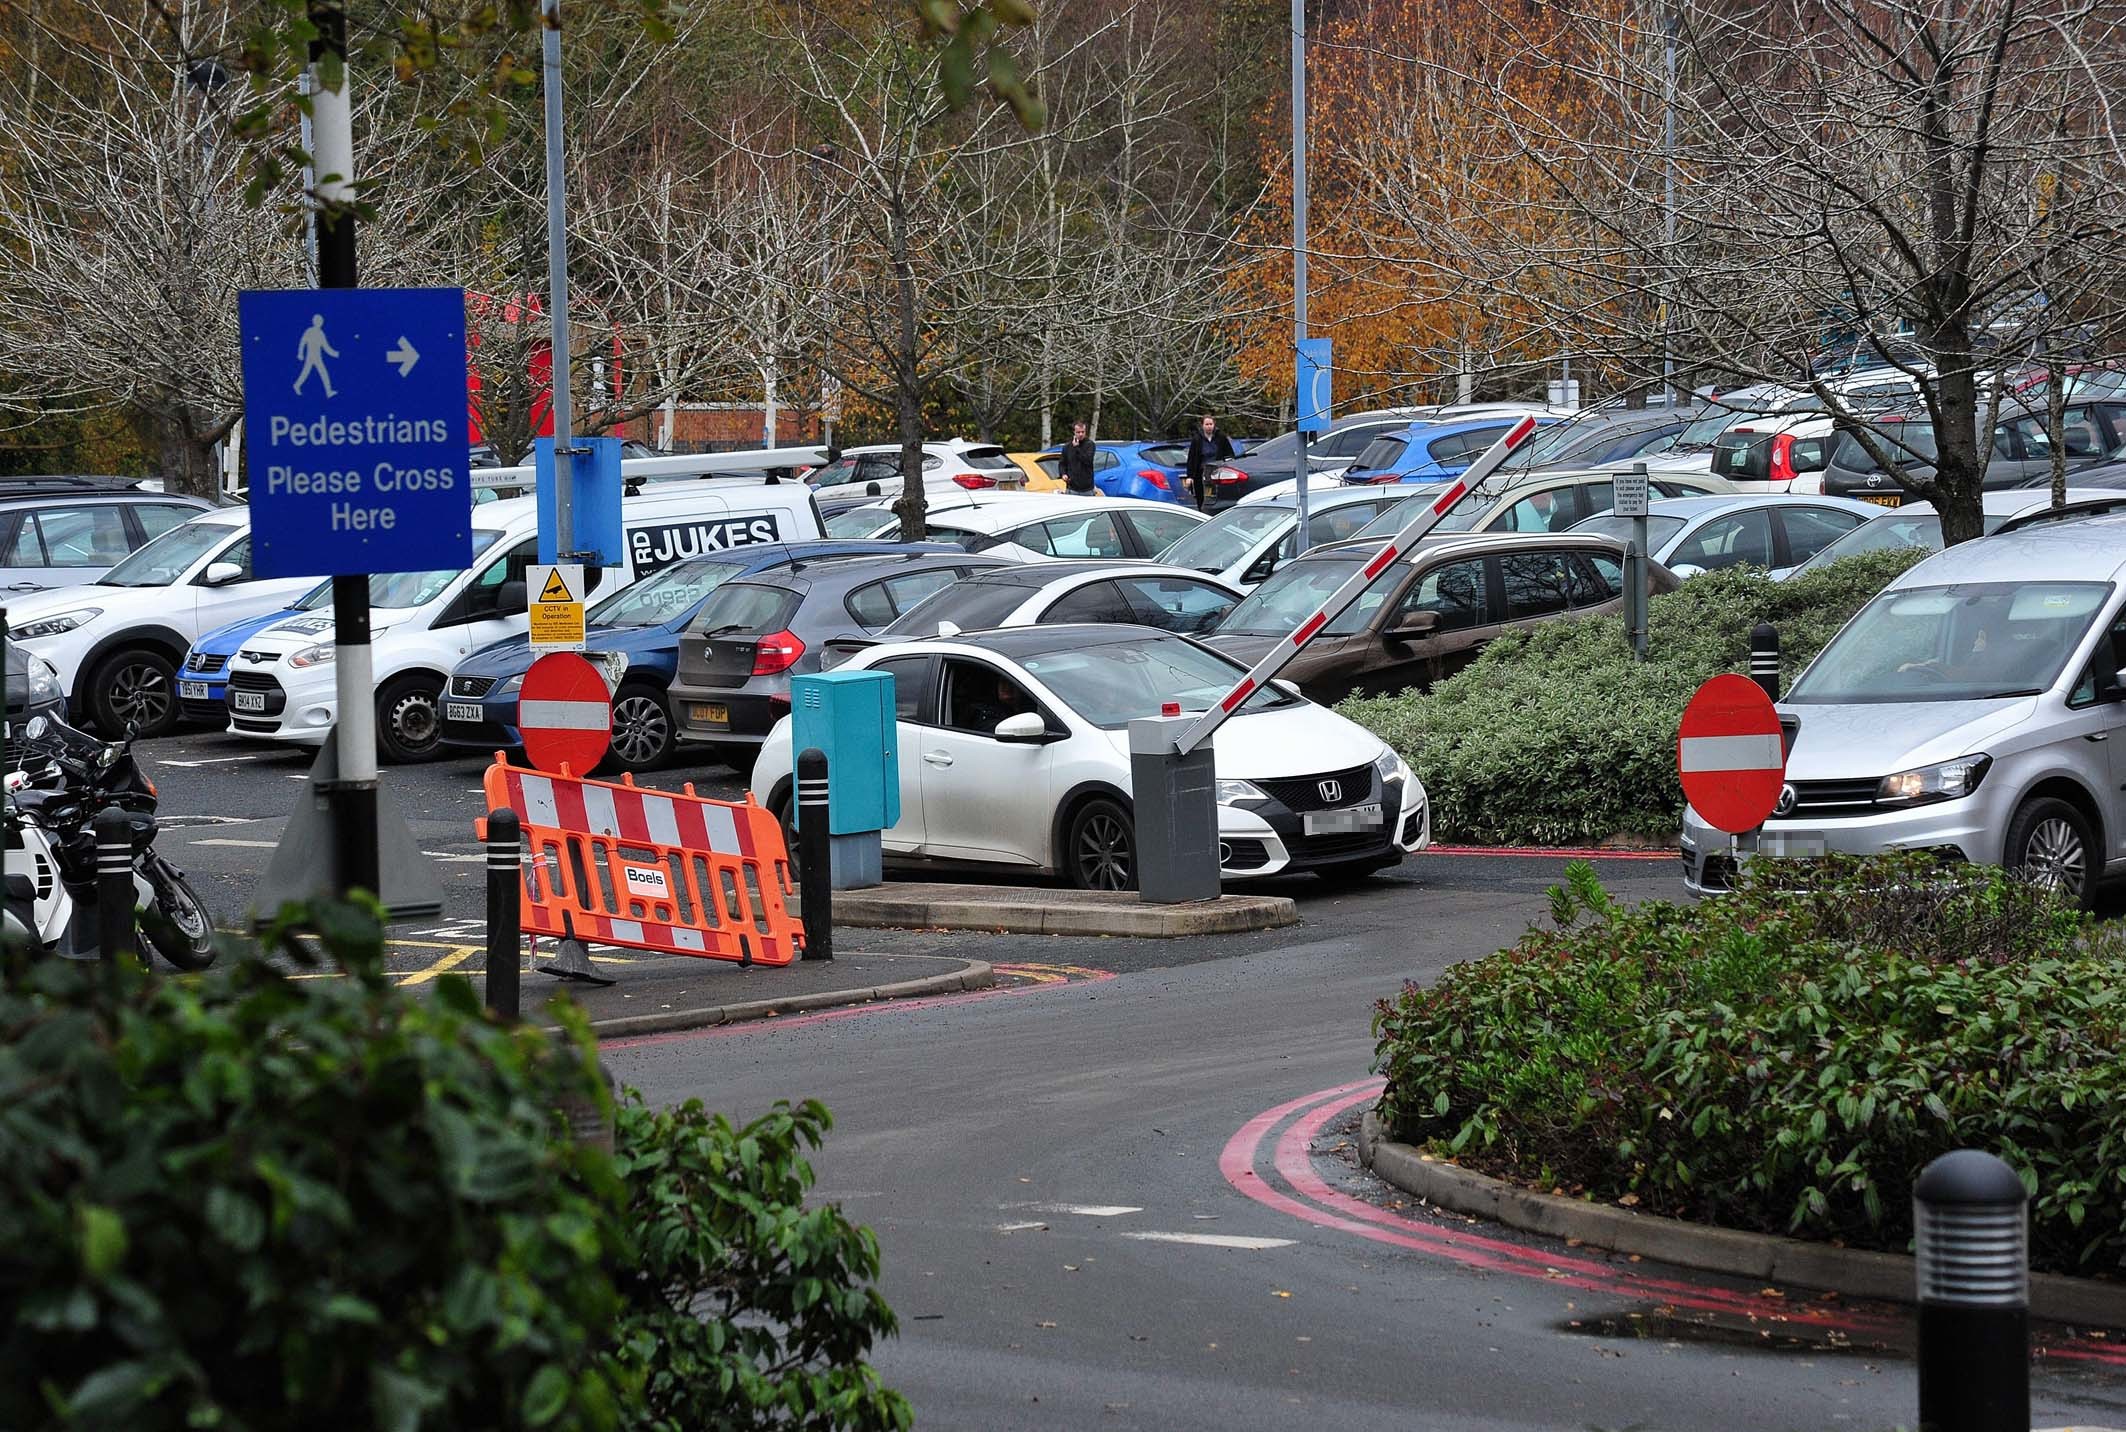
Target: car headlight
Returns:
[[512, 686], [1392, 767], [57, 624], [1948, 781], [319, 655], [1234, 792], [44, 681]]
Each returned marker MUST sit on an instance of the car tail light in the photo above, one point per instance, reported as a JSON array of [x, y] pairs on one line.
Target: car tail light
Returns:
[[1227, 476], [1156, 478], [973, 480], [1782, 469], [776, 653]]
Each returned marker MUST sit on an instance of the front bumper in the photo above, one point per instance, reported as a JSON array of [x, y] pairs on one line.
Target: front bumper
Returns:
[[204, 699], [1968, 829], [496, 730], [279, 704], [1270, 838]]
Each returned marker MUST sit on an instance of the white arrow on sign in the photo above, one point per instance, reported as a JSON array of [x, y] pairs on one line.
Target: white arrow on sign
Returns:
[[403, 355]]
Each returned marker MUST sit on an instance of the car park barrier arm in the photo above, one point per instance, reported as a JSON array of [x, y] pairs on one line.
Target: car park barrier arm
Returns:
[[1429, 515]]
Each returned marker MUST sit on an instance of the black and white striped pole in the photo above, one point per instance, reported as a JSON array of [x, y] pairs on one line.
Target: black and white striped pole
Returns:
[[815, 858], [505, 909], [1764, 658], [1973, 1243], [114, 884]]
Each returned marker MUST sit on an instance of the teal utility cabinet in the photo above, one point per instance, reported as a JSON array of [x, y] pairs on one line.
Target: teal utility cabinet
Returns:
[[849, 715]]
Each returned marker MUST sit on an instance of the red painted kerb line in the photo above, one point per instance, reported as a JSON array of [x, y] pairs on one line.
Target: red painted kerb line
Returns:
[[1549, 852]]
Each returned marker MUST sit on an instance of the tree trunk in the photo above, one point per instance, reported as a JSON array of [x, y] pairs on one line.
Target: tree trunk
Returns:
[[186, 456], [907, 382], [2056, 429], [767, 406]]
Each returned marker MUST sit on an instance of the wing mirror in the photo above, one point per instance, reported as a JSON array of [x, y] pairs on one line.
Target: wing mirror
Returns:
[[512, 598], [1289, 688], [1414, 626], [220, 574], [1028, 728]]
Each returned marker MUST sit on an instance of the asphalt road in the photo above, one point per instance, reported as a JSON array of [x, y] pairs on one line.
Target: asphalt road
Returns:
[[1125, 1197]]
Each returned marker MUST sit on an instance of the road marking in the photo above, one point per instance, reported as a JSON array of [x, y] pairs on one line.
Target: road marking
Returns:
[[458, 956], [453, 857], [1018, 1227], [1213, 1240], [1082, 1210], [206, 761], [246, 844]]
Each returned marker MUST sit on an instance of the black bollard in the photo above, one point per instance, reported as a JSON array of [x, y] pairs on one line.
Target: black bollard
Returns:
[[1764, 658], [815, 860], [505, 909], [114, 884], [1974, 1295]]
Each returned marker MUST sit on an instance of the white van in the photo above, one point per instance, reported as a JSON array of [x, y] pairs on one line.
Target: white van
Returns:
[[424, 623]]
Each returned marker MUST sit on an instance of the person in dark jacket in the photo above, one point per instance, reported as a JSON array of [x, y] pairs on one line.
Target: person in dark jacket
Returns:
[[1078, 463], [1206, 450]]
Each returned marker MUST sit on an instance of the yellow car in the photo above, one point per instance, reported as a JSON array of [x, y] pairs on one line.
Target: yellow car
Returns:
[[1040, 476]]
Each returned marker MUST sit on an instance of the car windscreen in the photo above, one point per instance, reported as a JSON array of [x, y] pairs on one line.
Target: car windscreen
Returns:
[[662, 596], [403, 591], [1217, 544], [1905, 442], [968, 605], [1114, 683], [1284, 445], [1973, 641], [169, 556], [1701, 433], [859, 522], [1279, 605], [737, 607], [1608, 524]]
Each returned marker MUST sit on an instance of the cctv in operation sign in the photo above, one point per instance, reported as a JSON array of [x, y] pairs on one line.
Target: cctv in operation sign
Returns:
[[355, 430]]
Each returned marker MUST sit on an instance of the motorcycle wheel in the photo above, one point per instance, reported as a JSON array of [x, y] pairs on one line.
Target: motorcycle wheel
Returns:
[[184, 934]]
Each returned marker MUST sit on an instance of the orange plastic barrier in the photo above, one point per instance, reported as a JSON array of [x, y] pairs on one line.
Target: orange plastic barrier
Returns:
[[678, 874]]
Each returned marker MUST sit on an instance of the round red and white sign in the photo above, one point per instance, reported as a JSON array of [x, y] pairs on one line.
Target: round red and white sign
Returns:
[[565, 714], [1730, 754]]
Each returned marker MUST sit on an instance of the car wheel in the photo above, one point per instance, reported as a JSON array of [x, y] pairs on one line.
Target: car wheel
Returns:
[[409, 720], [783, 806], [134, 690], [1100, 847], [642, 728], [2051, 843]]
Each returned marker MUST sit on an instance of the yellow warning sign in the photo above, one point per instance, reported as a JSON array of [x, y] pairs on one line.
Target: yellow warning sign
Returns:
[[557, 611]]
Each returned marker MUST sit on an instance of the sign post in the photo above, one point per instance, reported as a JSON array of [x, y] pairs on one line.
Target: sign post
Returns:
[[1629, 499], [1731, 754], [556, 604], [1313, 391]]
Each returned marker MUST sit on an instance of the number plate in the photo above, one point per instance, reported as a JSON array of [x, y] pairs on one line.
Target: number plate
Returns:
[[1342, 822], [1791, 843], [712, 715], [193, 691], [1882, 499], [464, 711], [247, 700]]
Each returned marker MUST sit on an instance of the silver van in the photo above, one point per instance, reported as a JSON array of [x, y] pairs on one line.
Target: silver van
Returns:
[[1977, 707]]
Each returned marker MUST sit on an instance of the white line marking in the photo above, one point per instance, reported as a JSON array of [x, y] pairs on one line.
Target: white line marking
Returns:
[[246, 844], [1733, 753], [1213, 1240], [1018, 1227], [1083, 1210], [453, 857], [206, 761]]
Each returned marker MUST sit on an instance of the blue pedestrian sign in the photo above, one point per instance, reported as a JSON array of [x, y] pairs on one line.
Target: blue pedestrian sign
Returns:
[[1313, 385], [355, 430]]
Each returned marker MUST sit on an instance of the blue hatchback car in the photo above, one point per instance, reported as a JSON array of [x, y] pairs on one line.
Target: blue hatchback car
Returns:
[[634, 635], [203, 678], [1154, 471], [1430, 452]]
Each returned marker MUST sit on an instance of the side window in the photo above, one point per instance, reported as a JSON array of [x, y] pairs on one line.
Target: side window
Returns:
[[238, 552], [1727, 542], [1547, 511], [1160, 530], [1447, 449], [966, 541], [1350, 442], [1341, 522], [910, 675], [2079, 426], [1537, 583], [156, 518], [482, 596], [907, 590], [1811, 529], [2030, 432], [978, 697], [1455, 591], [1595, 497], [871, 607], [1092, 535], [1099, 602], [879, 468], [1175, 603], [1595, 579], [23, 549], [86, 537], [1104, 460]]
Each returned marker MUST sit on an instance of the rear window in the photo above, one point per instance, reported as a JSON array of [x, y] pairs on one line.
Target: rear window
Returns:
[[1905, 441], [742, 607], [1381, 452], [1743, 455], [988, 459], [970, 606], [1167, 454]]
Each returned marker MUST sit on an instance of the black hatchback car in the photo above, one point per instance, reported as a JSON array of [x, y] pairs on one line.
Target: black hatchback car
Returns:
[[752, 635]]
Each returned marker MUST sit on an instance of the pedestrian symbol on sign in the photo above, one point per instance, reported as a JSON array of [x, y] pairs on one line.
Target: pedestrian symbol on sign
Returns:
[[314, 348]]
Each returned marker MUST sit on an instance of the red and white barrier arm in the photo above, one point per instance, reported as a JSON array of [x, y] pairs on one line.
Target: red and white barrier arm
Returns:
[[1428, 517]]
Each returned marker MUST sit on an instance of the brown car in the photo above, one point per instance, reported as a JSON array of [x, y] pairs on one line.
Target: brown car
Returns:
[[1429, 614]]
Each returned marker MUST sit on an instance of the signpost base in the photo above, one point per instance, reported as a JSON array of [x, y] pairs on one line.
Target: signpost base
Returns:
[[303, 867], [1176, 800]]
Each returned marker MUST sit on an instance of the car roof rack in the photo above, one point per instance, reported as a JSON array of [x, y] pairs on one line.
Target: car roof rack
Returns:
[[68, 482]]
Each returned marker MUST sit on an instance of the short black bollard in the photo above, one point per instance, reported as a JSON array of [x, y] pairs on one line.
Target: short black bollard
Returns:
[[1974, 1295], [114, 884], [505, 909], [1764, 658], [815, 859]]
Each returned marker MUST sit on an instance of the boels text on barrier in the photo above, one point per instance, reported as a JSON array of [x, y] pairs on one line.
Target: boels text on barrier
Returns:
[[355, 430]]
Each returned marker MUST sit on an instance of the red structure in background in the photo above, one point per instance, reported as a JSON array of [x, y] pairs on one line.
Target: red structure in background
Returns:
[[539, 366]]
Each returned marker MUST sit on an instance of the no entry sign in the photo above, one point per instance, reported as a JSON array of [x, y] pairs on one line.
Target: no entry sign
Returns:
[[565, 714], [1730, 754]]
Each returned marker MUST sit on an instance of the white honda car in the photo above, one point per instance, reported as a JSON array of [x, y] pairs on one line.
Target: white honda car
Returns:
[[1013, 751]]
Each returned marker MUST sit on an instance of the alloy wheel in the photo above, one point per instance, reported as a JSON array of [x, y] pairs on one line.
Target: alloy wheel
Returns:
[[140, 695], [1105, 859], [641, 730], [2055, 858]]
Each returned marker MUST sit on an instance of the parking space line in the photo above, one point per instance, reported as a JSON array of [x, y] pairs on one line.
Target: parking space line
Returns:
[[1214, 1240], [458, 955], [246, 844]]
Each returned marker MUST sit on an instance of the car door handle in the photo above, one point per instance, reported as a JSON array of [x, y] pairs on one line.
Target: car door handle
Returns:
[[937, 758], [25, 587], [2096, 736]]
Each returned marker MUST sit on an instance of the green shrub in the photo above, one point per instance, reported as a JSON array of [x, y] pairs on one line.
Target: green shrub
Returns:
[[253, 1199], [1787, 1058], [1558, 736]]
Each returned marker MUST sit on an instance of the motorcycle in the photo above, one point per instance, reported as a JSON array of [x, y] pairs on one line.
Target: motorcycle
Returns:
[[66, 778]]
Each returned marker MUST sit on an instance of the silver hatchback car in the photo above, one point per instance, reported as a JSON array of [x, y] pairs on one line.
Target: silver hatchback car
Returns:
[[1977, 707]]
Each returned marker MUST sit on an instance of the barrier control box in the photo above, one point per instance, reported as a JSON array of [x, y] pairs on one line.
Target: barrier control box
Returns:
[[850, 716]]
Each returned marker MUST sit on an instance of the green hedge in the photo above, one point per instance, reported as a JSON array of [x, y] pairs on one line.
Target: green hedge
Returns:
[[1560, 737], [1786, 1059], [253, 1200]]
